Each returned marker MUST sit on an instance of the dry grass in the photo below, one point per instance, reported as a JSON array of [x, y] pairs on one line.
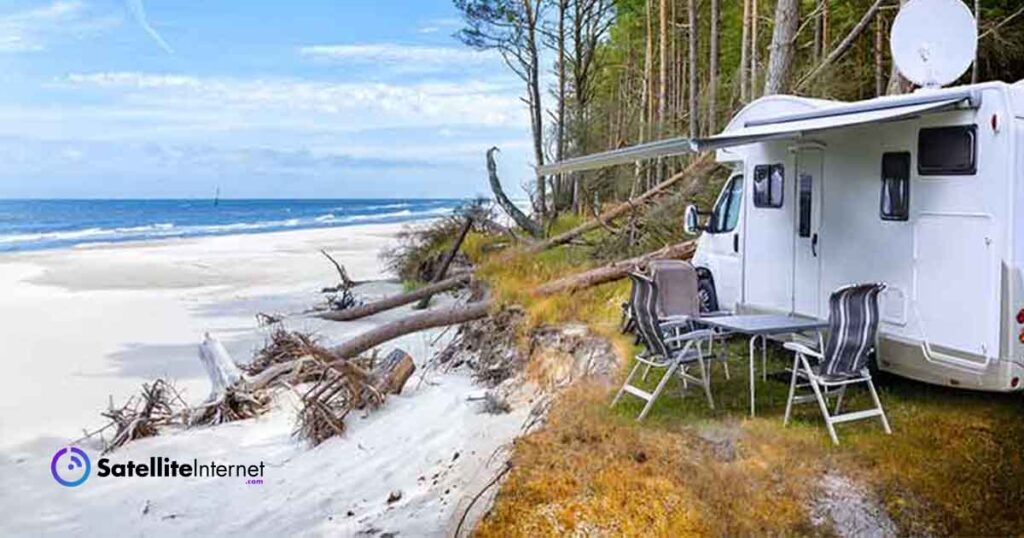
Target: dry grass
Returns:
[[593, 473], [953, 467]]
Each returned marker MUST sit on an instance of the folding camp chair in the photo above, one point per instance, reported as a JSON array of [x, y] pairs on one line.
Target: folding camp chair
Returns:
[[663, 352], [685, 291], [853, 330]]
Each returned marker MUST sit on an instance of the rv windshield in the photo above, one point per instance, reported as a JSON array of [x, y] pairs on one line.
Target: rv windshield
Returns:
[[727, 210]]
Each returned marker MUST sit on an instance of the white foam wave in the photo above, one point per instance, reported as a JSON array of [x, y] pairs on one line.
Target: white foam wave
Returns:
[[168, 229]]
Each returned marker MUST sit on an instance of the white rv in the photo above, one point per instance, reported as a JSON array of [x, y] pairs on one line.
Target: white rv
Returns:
[[924, 192]]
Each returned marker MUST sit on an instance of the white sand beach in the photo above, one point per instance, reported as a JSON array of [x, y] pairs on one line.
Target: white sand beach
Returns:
[[82, 325]]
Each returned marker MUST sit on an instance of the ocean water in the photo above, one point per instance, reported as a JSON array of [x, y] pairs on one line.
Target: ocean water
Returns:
[[41, 224]]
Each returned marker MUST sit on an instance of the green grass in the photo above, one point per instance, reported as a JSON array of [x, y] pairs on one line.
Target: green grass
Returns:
[[952, 466]]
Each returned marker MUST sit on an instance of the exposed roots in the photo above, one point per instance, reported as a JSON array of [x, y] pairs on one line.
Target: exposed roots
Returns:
[[283, 347], [489, 346], [237, 402], [342, 387], [141, 416]]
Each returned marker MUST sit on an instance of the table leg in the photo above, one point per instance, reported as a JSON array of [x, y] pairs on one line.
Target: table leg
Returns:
[[753, 343], [764, 358]]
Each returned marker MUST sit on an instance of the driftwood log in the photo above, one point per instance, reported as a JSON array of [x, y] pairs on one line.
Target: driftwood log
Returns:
[[395, 301]]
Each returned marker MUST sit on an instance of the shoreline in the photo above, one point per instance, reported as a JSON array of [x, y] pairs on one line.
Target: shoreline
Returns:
[[101, 320]]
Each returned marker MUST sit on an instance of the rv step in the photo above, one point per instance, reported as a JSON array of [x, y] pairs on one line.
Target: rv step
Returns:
[[638, 392]]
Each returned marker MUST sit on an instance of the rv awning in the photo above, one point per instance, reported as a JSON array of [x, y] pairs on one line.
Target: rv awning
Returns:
[[652, 150], [798, 125], [776, 127]]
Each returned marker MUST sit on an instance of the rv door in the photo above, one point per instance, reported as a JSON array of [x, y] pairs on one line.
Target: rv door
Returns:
[[806, 233], [725, 244]]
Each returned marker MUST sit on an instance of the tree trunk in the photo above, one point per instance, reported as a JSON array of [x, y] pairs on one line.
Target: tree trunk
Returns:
[[977, 26], [536, 106], [614, 271], [754, 65], [691, 13], [713, 71], [563, 6], [520, 219], [780, 55], [879, 56], [745, 54], [395, 301], [409, 324], [897, 83], [825, 24], [818, 47], [662, 66]]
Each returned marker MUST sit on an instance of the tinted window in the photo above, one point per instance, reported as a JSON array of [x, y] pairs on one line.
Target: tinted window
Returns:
[[768, 185], [727, 210], [947, 150], [895, 200], [804, 185]]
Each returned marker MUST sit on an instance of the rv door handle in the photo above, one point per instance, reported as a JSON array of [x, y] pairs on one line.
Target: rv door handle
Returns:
[[814, 245], [736, 243]]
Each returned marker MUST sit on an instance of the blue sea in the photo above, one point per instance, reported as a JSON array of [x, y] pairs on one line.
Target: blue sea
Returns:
[[42, 224]]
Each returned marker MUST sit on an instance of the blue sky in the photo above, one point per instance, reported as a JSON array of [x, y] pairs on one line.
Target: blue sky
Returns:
[[172, 98]]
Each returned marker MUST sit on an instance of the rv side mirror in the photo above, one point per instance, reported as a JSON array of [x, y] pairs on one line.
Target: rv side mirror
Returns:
[[691, 226]]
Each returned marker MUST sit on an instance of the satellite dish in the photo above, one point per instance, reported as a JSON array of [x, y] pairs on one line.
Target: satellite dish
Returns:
[[933, 41]]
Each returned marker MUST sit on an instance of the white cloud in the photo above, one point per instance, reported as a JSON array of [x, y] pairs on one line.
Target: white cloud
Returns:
[[139, 12], [228, 101], [407, 57], [32, 30], [436, 25]]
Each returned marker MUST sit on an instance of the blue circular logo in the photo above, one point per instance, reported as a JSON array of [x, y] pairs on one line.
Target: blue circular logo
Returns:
[[76, 466]]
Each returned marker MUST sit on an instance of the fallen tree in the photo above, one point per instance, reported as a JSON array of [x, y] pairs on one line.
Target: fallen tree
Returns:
[[613, 271], [395, 301], [409, 324], [696, 169], [443, 271]]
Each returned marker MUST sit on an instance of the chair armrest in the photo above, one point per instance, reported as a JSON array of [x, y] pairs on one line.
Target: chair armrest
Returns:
[[699, 334], [800, 348], [674, 322]]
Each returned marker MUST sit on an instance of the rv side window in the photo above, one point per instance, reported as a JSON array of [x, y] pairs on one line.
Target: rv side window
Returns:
[[768, 185], [895, 202], [727, 210], [947, 151], [804, 185]]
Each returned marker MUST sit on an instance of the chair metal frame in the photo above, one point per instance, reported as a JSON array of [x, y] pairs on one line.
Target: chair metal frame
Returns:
[[805, 375], [671, 353]]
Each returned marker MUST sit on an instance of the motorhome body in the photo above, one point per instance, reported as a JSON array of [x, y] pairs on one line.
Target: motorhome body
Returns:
[[929, 202], [924, 192]]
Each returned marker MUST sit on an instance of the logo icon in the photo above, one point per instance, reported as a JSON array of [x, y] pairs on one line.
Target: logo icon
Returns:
[[74, 465]]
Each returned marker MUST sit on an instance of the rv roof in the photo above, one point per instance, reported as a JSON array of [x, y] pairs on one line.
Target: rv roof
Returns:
[[780, 117]]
